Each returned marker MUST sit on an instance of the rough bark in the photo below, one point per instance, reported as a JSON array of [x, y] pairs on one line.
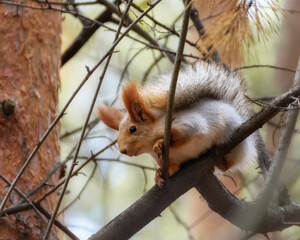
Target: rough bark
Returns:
[[30, 60]]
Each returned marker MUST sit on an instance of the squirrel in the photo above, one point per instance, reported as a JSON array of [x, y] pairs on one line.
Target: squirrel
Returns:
[[209, 105]]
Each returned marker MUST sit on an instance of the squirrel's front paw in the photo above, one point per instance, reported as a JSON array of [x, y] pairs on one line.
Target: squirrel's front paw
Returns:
[[158, 178], [158, 148]]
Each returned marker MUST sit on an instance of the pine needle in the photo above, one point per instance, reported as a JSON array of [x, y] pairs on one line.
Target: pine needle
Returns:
[[241, 24]]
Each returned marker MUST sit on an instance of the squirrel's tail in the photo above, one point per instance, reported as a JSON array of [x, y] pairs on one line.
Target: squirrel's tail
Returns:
[[203, 80]]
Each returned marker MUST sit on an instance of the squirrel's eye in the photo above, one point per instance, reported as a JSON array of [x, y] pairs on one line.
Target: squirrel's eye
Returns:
[[132, 129]]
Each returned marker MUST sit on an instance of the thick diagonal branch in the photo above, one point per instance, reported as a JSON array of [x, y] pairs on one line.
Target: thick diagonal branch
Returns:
[[195, 173]]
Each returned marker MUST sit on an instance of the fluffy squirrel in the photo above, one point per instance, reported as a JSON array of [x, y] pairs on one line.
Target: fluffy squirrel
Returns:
[[209, 105]]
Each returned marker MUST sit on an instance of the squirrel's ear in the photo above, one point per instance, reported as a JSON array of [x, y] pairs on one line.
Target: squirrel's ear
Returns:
[[110, 116], [137, 109]]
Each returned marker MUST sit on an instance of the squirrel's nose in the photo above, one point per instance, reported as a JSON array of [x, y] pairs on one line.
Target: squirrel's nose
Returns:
[[123, 151]]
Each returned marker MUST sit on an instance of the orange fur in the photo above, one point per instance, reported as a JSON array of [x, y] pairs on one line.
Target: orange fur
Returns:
[[173, 168], [225, 164], [137, 109], [110, 116], [177, 138], [201, 118], [155, 100]]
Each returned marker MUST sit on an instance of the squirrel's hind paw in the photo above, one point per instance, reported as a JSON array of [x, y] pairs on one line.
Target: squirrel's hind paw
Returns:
[[158, 149], [158, 178]]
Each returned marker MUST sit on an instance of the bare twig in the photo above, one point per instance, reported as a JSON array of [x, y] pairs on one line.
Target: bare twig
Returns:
[[200, 219], [238, 212], [264, 66], [281, 153], [201, 31], [85, 35], [156, 61], [81, 191], [24, 206], [75, 13], [56, 222], [182, 223], [276, 125], [68, 3], [121, 161], [62, 181], [281, 109], [28, 201], [116, 41], [150, 68], [37, 209], [126, 67], [68, 133], [169, 110], [171, 30], [44, 137], [44, 181]]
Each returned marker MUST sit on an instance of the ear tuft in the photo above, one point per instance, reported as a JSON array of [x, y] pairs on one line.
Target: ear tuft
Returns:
[[137, 109], [110, 117], [130, 96]]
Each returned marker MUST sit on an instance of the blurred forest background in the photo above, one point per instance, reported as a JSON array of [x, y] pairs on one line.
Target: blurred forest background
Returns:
[[106, 187], [263, 45]]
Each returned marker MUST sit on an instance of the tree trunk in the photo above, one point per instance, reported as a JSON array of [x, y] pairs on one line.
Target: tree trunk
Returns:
[[29, 76], [288, 47], [287, 56]]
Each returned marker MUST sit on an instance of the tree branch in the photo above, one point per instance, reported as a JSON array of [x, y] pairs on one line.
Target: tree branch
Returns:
[[264, 66], [106, 16], [282, 149], [193, 174], [37, 209], [201, 31], [85, 34], [48, 131], [110, 52], [239, 212], [169, 110]]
